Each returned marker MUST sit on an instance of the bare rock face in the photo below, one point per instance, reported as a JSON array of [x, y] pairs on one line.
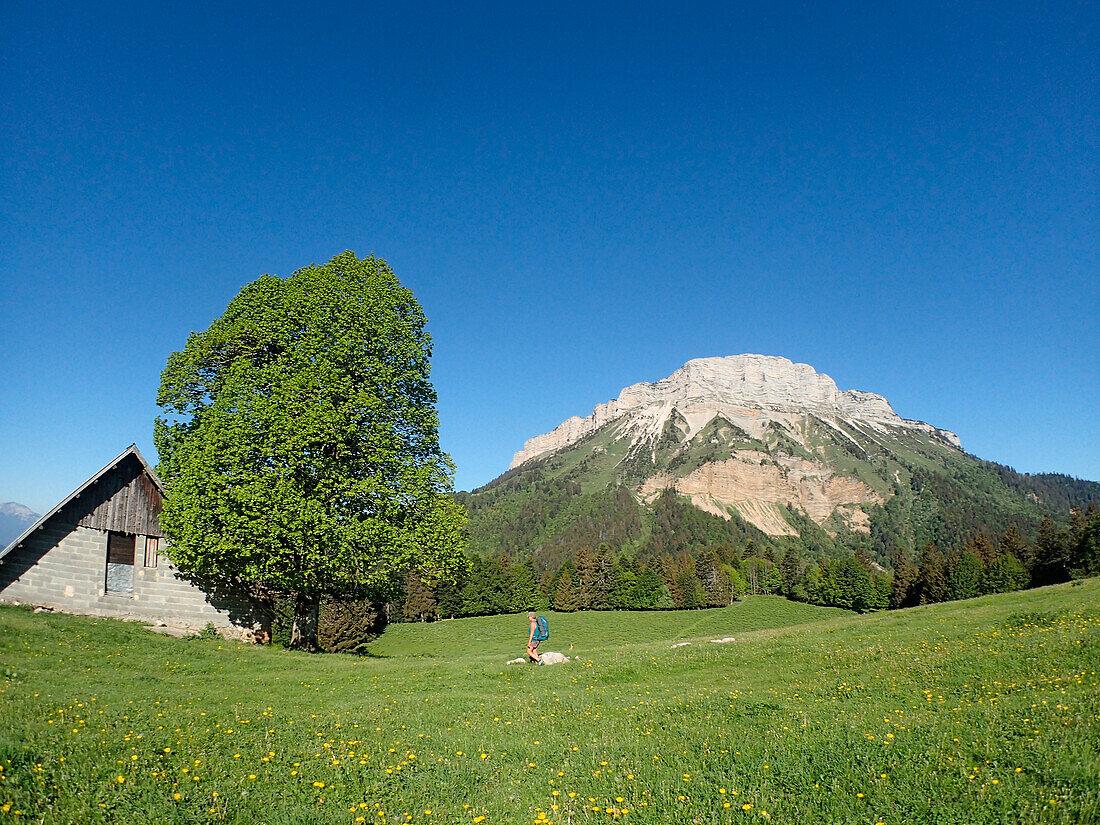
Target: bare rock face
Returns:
[[758, 396], [749, 390], [756, 489]]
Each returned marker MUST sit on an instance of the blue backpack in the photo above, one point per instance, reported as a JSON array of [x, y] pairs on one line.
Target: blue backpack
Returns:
[[542, 629]]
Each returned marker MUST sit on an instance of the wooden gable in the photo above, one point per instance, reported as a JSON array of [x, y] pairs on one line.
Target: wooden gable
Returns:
[[124, 498]]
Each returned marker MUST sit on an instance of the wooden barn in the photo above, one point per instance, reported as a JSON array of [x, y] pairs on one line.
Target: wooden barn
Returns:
[[100, 552]]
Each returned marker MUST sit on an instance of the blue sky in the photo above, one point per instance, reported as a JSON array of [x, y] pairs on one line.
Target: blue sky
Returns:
[[582, 196]]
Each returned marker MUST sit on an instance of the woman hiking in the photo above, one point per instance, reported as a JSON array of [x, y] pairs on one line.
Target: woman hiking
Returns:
[[539, 632]]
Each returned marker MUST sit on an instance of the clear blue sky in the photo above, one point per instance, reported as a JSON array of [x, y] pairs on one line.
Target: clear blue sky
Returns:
[[581, 195]]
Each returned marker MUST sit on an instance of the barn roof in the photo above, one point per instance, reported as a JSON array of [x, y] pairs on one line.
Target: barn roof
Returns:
[[132, 450]]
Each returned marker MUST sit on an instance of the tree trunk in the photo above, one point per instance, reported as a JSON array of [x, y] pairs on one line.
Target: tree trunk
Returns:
[[303, 636]]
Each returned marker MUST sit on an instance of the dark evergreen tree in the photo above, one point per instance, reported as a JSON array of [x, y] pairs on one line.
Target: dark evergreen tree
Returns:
[[1004, 574], [670, 576], [791, 569], [547, 585], [1013, 544], [692, 595], [1051, 555], [648, 589], [623, 580], [343, 626], [603, 583], [848, 584], [486, 591], [727, 553], [565, 595], [716, 586], [420, 602], [585, 567], [964, 576], [933, 575], [1085, 560], [523, 590], [904, 591], [448, 597], [982, 548], [883, 588]]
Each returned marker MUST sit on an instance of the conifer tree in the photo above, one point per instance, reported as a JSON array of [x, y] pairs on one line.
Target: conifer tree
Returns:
[[933, 575], [1013, 544], [585, 565], [791, 569], [692, 595], [1051, 555], [448, 595], [623, 580], [1086, 556], [905, 580], [565, 595], [1004, 574], [420, 602], [708, 569], [602, 580], [523, 590], [648, 589], [982, 548], [964, 576]]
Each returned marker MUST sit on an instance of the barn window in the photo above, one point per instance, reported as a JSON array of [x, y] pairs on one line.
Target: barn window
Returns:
[[120, 564], [152, 547]]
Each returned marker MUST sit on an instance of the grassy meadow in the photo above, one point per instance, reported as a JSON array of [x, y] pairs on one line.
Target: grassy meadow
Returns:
[[985, 711]]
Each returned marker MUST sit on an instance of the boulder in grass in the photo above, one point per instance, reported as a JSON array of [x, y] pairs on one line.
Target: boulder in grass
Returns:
[[518, 661], [552, 658]]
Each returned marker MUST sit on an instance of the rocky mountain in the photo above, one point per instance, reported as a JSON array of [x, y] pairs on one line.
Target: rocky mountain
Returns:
[[749, 390], [772, 449], [749, 434], [14, 519]]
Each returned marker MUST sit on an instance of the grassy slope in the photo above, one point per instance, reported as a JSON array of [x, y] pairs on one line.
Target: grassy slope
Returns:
[[979, 711], [593, 634], [960, 495]]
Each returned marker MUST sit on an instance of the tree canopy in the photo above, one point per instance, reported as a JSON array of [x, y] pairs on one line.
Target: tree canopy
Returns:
[[299, 440]]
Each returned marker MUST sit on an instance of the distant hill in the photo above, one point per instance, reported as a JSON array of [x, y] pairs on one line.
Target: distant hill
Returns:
[[753, 448], [14, 519]]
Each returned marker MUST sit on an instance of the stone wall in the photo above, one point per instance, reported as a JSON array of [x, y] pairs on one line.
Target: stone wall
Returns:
[[63, 566]]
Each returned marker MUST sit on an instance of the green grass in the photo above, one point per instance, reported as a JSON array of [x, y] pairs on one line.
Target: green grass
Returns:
[[972, 712]]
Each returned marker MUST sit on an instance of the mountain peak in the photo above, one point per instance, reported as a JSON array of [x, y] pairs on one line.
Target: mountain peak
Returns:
[[14, 519], [17, 510], [748, 390]]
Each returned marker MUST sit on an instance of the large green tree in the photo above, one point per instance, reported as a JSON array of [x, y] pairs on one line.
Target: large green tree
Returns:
[[299, 441]]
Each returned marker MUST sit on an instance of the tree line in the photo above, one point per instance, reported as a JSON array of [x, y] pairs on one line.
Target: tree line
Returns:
[[717, 575]]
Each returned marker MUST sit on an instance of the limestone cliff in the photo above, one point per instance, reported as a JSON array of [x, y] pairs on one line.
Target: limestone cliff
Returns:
[[750, 434], [749, 390]]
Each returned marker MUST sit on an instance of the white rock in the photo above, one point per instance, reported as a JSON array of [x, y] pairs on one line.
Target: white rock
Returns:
[[748, 390], [723, 641], [552, 658], [518, 661], [680, 644]]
